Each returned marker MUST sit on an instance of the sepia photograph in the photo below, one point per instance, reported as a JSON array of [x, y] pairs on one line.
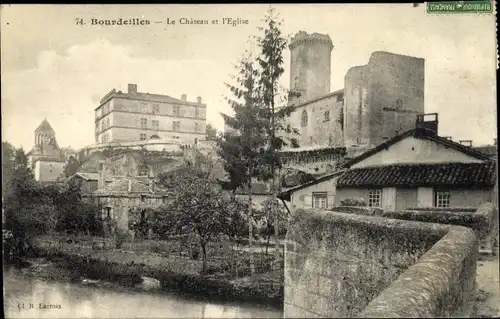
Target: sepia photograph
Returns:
[[250, 160]]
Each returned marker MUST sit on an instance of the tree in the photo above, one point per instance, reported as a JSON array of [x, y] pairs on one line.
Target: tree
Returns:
[[210, 133], [8, 153], [241, 149], [25, 215], [251, 149], [272, 46], [71, 167], [268, 216], [199, 206]]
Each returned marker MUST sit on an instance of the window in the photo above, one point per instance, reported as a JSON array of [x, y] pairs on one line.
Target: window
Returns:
[[196, 112], [304, 118], [143, 198], [143, 137], [399, 103], [176, 110], [156, 108], [107, 123], [144, 123], [176, 125], [196, 127], [144, 107], [375, 198], [107, 213], [156, 124], [327, 116], [320, 200], [442, 198]]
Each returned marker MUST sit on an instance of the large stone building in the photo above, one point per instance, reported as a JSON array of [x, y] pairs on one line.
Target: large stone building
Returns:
[[135, 116], [379, 100], [417, 168], [46, 159]]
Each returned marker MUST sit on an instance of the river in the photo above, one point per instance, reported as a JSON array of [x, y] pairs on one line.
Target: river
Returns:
[[79, 301]]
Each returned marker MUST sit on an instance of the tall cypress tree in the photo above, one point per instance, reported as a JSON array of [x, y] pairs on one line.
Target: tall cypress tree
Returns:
[[272, 45], [242, 148]]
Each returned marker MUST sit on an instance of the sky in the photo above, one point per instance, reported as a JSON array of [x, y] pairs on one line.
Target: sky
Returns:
[[53, 68]]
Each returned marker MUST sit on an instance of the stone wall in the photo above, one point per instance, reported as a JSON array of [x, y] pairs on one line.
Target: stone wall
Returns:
[[347, 265], [483, 220]]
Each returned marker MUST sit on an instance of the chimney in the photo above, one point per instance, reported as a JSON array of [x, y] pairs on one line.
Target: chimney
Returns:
[[132, 88], [467, 143], [184, 97], [198, 99], [428, 122], [129, 186], [101, 181]]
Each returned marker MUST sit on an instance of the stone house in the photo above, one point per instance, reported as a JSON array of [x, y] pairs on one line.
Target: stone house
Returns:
[[415, 169], [120, 196], [89, 182]]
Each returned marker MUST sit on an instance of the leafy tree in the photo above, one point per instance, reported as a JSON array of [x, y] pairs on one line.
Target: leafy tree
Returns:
[[268, 216], [24, 214], [199, 206], [71, 167], [8, 153], [210, 133]]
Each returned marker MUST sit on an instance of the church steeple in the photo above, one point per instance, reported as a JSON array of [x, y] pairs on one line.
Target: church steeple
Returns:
[[44, 134]]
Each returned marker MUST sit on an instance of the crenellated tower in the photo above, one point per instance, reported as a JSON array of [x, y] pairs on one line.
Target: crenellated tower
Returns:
[[310, 65]]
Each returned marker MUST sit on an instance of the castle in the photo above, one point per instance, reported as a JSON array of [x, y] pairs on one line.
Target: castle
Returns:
[[136, 116], [379, 101]]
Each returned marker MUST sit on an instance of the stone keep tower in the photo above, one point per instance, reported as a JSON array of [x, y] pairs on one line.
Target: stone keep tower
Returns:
[[310, 64]]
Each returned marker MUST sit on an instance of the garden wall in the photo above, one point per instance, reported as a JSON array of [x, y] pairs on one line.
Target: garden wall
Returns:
[[348, 265], [483, 220]]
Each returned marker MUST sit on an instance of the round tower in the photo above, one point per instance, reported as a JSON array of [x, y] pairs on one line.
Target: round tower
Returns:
[[310, 64]]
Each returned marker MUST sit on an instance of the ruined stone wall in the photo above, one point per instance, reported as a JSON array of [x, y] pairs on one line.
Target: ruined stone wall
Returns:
[[347, 265], [388, 81]]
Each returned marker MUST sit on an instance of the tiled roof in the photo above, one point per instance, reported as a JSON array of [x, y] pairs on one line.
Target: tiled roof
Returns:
[[421, 134], [95, 176], [490, 150], [451, 174], [122, 186], [258, 188], [44, 127], [286, 194]]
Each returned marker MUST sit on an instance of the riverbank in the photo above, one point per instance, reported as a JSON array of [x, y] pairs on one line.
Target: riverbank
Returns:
[[128, 270], [76, 300]]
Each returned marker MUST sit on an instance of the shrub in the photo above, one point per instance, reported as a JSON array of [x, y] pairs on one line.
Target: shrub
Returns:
[[353, 202]]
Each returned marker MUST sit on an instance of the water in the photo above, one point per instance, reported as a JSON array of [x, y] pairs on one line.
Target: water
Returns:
[[80, 301]]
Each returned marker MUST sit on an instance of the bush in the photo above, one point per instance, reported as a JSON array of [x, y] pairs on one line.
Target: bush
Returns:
[[353, 202]]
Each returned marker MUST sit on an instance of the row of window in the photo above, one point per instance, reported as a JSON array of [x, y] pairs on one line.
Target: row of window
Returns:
[[441, 199], [144, 107], [304, 118], [144, 137], [105, 125], [176, 125]]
